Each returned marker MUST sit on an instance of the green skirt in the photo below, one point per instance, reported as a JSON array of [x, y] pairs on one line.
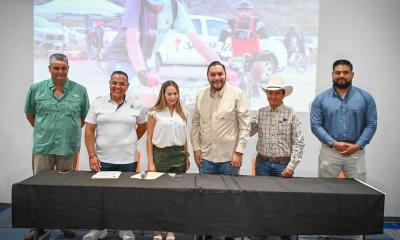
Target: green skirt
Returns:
[[169, 159]]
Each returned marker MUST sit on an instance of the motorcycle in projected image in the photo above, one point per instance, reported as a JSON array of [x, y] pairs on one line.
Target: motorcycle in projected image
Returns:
[[300, 61]]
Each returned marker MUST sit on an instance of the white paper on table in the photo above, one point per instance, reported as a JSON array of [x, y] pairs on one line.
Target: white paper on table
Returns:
[[107, 175], [148, 175]]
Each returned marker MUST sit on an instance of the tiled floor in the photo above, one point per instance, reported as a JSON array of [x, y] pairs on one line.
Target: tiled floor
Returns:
[[393, 233]]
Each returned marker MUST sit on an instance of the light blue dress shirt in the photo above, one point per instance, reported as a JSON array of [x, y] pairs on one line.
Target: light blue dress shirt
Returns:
[[352, 118]]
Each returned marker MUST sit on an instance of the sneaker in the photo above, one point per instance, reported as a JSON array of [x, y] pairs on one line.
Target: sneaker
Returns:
[[170, 236], [358, 237], [157, 235], [126, 235], [31, 234], [95, 234], [320, 237]]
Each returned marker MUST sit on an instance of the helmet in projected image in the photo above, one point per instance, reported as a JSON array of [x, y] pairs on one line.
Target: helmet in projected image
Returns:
[[156, 2], [245, 4]]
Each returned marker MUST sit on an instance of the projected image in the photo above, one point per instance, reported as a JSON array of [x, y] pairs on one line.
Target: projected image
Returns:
[[158, 40]]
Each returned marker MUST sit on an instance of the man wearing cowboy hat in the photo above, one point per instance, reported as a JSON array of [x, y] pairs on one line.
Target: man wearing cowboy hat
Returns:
[[280, 137]]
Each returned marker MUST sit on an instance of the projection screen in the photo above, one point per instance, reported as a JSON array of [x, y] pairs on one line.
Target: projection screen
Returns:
[[280, 35]]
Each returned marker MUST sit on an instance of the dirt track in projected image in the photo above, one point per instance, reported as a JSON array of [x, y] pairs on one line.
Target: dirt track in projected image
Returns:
[[190, 80]]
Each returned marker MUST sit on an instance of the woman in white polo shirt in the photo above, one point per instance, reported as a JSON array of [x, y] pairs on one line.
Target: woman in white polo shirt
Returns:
[[166, 136], [114, 124]]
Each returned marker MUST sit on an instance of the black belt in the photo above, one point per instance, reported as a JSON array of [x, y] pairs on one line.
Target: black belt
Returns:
[[171, 148]]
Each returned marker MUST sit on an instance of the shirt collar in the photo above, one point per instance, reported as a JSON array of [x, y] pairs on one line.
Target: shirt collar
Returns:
[[336, 94], [166, 109], [220, 92], [109, 98], [278, 109], [51, 84]]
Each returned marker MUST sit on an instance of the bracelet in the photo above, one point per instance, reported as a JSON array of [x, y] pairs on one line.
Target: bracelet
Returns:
[[92, 156]]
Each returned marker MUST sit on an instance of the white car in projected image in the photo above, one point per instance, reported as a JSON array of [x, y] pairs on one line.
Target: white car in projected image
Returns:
[[176, 49], [46, 35]]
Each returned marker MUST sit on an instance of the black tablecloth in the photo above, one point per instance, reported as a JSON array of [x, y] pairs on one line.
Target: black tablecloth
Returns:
[[211, 204]]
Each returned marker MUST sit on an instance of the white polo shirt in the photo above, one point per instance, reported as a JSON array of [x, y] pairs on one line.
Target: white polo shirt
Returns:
[[115, 135], [169, 130]]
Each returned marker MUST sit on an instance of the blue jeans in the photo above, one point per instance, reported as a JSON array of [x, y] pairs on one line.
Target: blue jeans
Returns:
[[268, 168], [130, 167], [224, 168]]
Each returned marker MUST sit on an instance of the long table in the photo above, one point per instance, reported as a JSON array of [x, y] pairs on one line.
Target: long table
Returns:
[[193, 204]]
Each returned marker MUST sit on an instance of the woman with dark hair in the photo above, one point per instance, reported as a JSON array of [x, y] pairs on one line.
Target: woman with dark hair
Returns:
[[166, 136]]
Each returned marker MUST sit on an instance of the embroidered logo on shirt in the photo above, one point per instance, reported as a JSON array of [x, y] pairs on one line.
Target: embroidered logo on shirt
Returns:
[[77, 96]]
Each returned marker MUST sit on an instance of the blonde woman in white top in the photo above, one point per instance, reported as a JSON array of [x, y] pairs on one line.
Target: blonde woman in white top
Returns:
[[166, 136]]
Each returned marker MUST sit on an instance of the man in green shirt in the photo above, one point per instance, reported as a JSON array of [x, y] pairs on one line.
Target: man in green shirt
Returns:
[[56, 109]]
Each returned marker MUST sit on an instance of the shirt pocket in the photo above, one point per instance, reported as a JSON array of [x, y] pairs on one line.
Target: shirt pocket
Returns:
[[284, 128], [74, 107], [357, 112], [227, 109], [204, 109], [43, 106]]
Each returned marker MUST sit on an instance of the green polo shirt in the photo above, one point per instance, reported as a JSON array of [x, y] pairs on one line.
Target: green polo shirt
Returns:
[[57, 128]]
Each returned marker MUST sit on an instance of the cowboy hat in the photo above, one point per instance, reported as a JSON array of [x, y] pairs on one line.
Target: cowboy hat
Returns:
[[276, 83]]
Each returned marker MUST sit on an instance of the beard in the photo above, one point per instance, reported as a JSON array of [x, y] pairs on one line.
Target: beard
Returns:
[[217, 88], [344, 85]]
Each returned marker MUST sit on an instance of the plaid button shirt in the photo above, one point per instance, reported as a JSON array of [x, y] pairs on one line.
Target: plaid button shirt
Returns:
[[279, 134]]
